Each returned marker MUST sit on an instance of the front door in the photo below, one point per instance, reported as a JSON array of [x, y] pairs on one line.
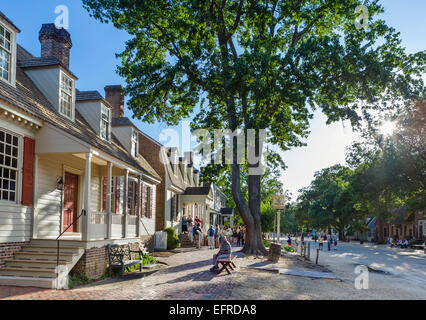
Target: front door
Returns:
[[70, 201]]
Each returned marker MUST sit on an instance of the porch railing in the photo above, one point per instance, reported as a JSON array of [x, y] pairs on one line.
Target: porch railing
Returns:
[[83, 212]]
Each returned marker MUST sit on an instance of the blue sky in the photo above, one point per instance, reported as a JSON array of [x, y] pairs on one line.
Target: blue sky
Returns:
[[93, 61]]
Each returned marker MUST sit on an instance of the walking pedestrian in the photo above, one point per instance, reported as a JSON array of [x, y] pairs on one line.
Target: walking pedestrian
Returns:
[[184, 225], [240, 235], [329, 242], [320, 243], [210, 234], [335, 242]]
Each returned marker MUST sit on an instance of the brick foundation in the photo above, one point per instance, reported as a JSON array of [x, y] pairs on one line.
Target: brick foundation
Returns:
[[7, 250], [94, 261]]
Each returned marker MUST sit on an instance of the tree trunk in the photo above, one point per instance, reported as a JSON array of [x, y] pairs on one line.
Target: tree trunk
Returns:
[[253, 243]]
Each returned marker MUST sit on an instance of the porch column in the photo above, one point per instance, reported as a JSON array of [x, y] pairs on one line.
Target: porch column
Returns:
[[86, 205], [139, 190], [108, 200], [125, 200]]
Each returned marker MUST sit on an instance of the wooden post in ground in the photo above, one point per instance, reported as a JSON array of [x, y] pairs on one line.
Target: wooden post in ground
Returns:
[[316, 260]]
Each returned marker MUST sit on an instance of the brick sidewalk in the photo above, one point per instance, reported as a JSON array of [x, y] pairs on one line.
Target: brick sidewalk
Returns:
[[187, 277]]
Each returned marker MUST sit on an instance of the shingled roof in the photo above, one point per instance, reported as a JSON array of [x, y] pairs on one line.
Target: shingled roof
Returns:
[[28, 97], [42, 62], [198, 191]]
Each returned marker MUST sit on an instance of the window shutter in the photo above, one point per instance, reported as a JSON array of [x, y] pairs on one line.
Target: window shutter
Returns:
[[136, 197], [151, 196], [28, 172], [177, 207], [104, 193], [143, 201], [117, 195], [172, 207]]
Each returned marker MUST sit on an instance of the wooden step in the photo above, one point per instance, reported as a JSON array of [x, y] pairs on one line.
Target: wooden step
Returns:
[[33, 264], [49, 283], [53, 249], [43, 256], [53, 243], [28, 272]]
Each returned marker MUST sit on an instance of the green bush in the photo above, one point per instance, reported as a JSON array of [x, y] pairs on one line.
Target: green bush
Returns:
[[267, 244], [287, 248], [173, 241], [147, 259]]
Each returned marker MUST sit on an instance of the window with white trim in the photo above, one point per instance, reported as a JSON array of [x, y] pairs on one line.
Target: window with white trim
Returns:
[[131, 197], [105, 123], [9, 172], [134, 143], [66, 106], [5, 53]]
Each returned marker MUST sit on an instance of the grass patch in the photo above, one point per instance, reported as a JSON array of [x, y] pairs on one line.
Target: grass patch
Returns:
[[288, 249]]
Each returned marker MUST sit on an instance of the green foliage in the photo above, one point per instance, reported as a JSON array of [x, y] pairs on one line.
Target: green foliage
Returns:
[[147, 259], [288, 249], [173, 241], [330, 201], [79, 279], [259, 64], [267, 244]]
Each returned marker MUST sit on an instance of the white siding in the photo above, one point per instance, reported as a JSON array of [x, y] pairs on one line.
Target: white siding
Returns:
[[15, 223], [48, 198]]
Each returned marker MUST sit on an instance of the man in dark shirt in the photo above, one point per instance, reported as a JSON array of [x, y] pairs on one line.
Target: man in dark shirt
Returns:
[[225, 251]]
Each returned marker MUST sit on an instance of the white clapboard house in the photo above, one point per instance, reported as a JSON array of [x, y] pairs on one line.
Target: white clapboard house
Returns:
[[63, 166]]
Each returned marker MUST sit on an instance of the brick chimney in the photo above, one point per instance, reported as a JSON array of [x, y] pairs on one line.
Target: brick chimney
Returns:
[[115, 96], [55, 43]]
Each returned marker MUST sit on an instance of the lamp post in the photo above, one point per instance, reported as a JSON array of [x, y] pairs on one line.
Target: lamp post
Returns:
[[279, 204]]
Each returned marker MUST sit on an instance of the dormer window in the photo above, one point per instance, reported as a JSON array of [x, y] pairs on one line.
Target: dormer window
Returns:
[[66, 107], [105, 123], [5, 53], [134, 146]]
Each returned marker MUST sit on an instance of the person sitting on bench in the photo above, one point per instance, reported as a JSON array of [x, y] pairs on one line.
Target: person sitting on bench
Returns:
[[224, 253]]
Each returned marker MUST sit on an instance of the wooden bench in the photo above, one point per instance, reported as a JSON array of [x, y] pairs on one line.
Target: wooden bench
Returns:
[[121, 257], [417, 246], [227, 263]]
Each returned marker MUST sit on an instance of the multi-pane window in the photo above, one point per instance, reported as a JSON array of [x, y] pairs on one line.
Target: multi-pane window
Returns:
[[5, 53], [134, 145], [65, 105], [9, 153], [113, 189], [131, 198], [105, 123]]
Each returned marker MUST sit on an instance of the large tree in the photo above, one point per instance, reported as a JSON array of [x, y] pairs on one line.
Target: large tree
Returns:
[[260, 64]]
